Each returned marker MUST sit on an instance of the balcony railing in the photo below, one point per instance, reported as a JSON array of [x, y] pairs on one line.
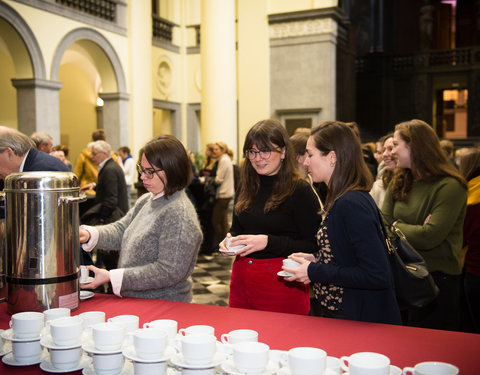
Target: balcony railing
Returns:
[[162, 29], [104, 9], [454, 58]]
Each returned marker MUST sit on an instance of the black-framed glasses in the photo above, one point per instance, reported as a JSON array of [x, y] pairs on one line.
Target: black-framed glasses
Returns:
[[252, 154], [149, 172]]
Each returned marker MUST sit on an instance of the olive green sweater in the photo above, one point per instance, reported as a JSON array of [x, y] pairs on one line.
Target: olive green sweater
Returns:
[[440, 240]]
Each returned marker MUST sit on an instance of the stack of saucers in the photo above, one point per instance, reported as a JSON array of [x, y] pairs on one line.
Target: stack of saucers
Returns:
[[24, 337]]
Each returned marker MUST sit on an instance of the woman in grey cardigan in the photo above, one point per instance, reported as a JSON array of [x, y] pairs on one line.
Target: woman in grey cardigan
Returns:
[[158, 239]]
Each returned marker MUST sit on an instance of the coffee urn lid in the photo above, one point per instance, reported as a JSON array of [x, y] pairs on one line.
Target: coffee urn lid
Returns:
[[41, 181]]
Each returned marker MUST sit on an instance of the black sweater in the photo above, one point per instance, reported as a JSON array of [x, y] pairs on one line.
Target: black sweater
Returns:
[[291, 227]]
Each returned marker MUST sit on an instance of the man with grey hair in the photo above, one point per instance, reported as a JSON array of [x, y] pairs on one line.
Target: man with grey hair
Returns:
[[18, 154], [110, 196], [43, 141]]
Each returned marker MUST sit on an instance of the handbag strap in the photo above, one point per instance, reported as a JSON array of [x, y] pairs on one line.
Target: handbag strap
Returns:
[[390, 247]]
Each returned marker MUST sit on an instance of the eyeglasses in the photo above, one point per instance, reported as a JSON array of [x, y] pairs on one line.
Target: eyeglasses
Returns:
[[252, 154], [149, 172]]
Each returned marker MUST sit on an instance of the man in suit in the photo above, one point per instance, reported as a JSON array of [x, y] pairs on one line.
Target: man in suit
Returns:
[[18, 154], [110, 196], [43, 141]]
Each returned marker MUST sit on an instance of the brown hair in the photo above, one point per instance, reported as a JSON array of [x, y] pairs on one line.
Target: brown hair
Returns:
[[299, 143], [168, 154], [99, 135], [267, 135], [470, 163], [428, 161], [351, 172]]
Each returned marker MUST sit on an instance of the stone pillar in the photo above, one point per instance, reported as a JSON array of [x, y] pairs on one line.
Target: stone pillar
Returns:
[[218, 60], [37, 106], [115, 119]]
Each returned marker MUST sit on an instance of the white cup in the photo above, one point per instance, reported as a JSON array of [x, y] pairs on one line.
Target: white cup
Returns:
[[130, 322], [203, 371], [394, 370], [55, 313], [27, 325], [239, 335], [431, 368], [64, 359], [145, 368], [366, 363], [198, 349], [91, 318], [279, 357], [150, 343], [168, 325], [108, 336], [197, 329], [250, 357], [290, 263], [307, 361], [333, 364], [83, 273], [232, 248], [108, 364], [66, 331], [27, 351]]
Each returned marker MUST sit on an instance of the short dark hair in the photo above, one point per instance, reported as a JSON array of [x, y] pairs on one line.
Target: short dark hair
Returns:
[[125, 149], [99, 135], [168, 154]]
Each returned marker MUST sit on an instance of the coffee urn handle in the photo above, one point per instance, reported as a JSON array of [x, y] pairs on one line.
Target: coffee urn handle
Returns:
[[70, 200]]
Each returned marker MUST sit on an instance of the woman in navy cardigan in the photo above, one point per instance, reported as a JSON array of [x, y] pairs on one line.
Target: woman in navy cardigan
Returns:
[[350, 273]]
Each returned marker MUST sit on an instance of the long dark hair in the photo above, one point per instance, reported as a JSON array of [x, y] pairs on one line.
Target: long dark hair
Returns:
[[428, 161], [350, 172], [267, 135], [470, 164]]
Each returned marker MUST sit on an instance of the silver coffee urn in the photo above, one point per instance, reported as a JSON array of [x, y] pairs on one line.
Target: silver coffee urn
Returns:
[[42, 244]]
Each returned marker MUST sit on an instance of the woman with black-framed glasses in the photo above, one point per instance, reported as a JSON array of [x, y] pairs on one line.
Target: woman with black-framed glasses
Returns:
[[275, 214], [159, 238]]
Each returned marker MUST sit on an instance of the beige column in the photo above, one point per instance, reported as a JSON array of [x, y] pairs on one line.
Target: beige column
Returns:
[[219, 98], [140, 77]]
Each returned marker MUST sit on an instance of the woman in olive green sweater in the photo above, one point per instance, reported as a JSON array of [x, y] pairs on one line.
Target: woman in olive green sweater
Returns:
[[426, 200]]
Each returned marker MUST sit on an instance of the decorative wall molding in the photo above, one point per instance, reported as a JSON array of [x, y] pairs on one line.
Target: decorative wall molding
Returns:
[[303, 28]]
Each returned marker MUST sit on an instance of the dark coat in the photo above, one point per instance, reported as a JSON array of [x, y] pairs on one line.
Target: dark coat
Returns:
[[110, 196], [361, 265], [40, 161]]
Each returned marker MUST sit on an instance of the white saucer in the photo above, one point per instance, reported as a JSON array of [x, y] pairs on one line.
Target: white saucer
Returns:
[[229, 368], [88, 280], [8, 359], [9, 335], [284, 274], [127, 369], [7, 348], [86, 294], [227, 252], [90, 348], [131, 354], [47, 342], [177, 360], [286, 371], [47, 366]]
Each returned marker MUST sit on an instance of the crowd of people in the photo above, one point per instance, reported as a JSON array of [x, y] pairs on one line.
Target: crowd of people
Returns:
[[317, 197]]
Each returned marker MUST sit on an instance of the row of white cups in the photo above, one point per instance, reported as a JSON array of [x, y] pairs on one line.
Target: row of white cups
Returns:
[[160, 348]]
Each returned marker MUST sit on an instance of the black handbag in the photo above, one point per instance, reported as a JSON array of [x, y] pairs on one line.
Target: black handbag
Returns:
[[414, 285]]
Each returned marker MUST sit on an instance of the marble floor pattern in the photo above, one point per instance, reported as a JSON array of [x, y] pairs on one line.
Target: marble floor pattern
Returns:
[[211, 279]]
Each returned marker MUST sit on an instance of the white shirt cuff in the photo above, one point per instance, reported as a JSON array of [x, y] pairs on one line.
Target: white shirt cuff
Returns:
[[92, 242], [116, 278]]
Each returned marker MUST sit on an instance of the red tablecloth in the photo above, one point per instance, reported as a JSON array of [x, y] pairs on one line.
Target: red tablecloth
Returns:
[[404, 346]]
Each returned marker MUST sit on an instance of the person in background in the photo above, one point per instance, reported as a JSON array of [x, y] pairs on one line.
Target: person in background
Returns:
[[224, 180], [470, 169], [380, 185], [110, 202], [159, 238], [367, 150], [275, 214], [85, 169], [426, 200], [64, 149], [43, 141], [449, 150], [128, 165], [379, 156], [351, 273]]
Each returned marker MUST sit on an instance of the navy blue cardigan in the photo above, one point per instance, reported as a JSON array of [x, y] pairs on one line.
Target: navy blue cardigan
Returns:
[[361, 266]]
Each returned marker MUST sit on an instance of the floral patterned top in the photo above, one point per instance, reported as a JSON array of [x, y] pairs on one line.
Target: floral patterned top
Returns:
[[329, 295]]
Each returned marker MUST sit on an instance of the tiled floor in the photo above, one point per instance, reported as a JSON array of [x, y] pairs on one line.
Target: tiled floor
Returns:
[[211, 279]]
